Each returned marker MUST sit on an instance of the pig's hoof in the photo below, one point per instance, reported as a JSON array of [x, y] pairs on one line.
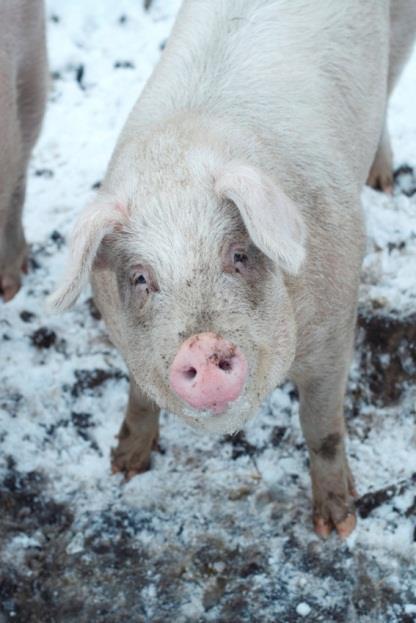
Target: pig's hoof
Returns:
[[10, 281], [132, 456], [9, 286], [345, 527], [381, 177], [336, 513], [323, 527]]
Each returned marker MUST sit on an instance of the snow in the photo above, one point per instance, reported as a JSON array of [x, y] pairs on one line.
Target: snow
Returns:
[[213, 532], [303, 609]]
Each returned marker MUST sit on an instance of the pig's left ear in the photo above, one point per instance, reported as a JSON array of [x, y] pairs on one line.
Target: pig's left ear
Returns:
[[273, 221], [101, 218]]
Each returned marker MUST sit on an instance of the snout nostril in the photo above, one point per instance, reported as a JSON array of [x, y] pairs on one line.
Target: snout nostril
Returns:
[[208, 373], [225, 365], [190, 374]]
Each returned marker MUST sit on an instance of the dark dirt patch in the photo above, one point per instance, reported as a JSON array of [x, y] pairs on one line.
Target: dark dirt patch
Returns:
[[240, 445], [82, 422], [27, 316], [79, 75], [58, 239], [23, 507], [405, 180], [372, 500], [10, 402], [277, 435], [90, 380], [45, 173], [124, 65], [43, 338], [387, 346]]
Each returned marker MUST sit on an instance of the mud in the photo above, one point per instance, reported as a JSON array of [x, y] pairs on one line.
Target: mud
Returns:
[[387, 361]]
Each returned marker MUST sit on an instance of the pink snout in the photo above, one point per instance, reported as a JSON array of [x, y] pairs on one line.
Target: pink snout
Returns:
[[208, 372]]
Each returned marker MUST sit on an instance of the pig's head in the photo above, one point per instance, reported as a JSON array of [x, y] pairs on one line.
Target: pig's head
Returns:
[[199, 262]]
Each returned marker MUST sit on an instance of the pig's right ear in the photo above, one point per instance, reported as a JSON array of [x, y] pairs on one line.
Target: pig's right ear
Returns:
[[273, 220], [101, 218]]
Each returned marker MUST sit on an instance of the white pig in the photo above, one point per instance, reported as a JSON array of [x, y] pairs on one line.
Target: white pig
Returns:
[[23, 80], [225, 245]]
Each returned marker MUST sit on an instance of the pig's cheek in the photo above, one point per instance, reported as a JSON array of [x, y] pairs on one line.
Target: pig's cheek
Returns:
[[149, 364], [265, 376]]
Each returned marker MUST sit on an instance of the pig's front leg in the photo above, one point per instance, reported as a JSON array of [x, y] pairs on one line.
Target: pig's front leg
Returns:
[[138, 435], [322, 420]]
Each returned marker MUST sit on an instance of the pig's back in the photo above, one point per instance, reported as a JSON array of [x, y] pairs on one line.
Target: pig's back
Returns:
[[308, 78]]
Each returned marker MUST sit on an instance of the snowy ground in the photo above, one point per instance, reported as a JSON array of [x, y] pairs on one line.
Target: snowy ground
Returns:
[[219, 529]]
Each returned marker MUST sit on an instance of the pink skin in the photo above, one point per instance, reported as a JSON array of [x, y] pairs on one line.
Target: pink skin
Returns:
[[208, 372]]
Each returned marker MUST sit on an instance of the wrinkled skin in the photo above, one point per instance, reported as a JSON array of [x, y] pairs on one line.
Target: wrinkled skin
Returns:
[[211, 169], [23, 79]]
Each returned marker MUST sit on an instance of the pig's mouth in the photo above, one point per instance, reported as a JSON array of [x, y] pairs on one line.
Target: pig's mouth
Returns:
[[225, 421]]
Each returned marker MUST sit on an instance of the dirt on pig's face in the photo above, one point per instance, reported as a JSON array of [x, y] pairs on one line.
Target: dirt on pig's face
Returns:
[[185, 267]]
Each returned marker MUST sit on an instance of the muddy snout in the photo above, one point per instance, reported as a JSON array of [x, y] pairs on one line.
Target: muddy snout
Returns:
[[208, 372]]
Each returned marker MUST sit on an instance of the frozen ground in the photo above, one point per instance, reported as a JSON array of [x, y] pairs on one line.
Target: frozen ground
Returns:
[[219, 529]]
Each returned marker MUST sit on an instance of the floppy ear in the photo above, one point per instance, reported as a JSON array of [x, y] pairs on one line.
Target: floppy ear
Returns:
[[100, 218], [273, 221]]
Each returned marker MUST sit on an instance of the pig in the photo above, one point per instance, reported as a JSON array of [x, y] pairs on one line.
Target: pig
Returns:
[[224, 247], [23, 82]]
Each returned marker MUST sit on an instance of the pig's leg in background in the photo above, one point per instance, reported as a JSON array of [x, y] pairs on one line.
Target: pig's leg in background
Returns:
[[33, 83], [22, 106], [138, 435], [12, 241], [322, 420], [402, 37]]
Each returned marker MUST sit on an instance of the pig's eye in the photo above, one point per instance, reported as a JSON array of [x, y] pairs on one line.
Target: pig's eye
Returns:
[[240, 258], [139, 280], [142, 280], [240, 261], [236, 259]]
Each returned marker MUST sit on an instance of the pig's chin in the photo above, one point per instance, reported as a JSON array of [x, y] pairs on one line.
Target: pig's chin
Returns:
[[231, 420]]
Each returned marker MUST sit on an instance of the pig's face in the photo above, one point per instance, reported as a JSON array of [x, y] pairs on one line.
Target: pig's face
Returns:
[[191, 272], [206, 318]]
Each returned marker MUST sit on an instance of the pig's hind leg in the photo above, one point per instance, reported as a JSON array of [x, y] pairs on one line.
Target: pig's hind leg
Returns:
[[322, 420], [402, 36], [138, 435]]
